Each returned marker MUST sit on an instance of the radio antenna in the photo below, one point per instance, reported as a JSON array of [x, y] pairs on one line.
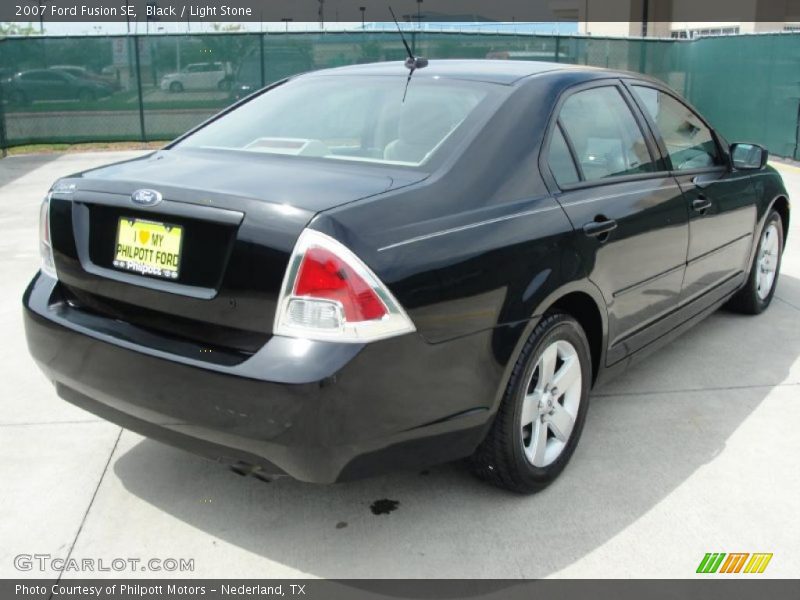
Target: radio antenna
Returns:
[[412, 62]]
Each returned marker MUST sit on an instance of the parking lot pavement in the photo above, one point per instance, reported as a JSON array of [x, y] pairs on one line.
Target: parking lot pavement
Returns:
[[694, 450]]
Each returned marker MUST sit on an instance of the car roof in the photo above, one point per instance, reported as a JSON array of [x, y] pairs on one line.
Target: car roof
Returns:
[[505, 72]]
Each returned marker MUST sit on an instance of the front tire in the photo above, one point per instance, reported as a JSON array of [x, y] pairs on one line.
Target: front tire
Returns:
[[543, 409], [176, 87], [757, 293]]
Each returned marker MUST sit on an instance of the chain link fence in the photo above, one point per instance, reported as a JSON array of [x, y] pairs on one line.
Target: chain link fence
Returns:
[[150, 88]]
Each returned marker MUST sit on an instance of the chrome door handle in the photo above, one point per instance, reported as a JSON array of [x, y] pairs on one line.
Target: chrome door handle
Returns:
[[598, 228], [701, 204]]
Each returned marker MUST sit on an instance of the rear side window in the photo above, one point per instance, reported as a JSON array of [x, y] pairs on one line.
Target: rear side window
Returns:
[[560, 160], [689, 142], [605, 135]]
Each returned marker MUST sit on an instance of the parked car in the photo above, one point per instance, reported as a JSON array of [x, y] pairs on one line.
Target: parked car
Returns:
[[199, 76], [279, 63], [84, 73], [47, 84], [353, 271]]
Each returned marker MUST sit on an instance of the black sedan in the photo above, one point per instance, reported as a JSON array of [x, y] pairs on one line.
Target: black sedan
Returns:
[[53, 84], [352, 271]]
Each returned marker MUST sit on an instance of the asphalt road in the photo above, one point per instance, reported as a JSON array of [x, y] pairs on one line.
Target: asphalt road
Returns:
[[694, 450]]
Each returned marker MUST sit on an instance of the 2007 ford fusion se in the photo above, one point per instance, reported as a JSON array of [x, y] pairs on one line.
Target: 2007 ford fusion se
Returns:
[[353, 270]]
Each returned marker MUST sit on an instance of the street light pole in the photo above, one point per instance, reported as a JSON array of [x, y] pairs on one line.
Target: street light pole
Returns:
[[41, 16], [363, 10]]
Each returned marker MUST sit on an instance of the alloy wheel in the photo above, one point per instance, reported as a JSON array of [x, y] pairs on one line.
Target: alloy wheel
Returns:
[[551, 402], [767, 266]]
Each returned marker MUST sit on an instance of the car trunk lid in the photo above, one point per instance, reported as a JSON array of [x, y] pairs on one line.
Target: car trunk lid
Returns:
[[239, 216]]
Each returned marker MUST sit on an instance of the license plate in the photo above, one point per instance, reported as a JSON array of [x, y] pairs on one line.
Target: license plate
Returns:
[[148, 247]]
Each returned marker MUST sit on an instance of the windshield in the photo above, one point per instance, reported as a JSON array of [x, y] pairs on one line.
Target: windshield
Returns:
[[347, 118]]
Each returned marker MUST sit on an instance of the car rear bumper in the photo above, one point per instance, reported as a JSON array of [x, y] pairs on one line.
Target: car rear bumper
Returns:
[[319, 412]]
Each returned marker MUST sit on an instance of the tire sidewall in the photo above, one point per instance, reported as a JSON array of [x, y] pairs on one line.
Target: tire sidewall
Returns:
[[761, 305], [564, 329]]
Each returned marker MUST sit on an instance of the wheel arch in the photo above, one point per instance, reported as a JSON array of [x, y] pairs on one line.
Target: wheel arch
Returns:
[[583, 301], [584, 309], [781, 205]]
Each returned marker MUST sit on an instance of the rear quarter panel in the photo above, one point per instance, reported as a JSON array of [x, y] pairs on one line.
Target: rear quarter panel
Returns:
[[478, 244]]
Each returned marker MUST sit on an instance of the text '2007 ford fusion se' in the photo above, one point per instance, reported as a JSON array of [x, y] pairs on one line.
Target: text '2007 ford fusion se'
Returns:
[[369, 268]]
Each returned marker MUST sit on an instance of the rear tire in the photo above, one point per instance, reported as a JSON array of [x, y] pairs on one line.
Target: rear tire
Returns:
[[536, 430], [757, 293]]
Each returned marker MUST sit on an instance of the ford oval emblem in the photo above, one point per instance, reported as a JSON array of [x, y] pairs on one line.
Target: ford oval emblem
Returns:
[[146, 197]]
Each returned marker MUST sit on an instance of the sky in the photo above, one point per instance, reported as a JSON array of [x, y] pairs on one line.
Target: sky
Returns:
[[99, 28]]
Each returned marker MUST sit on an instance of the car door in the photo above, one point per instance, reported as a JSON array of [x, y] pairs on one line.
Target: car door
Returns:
[[627, 210], [202, 77], [34, 85], [211, 75], [61, 86], [216, 74], [720, 201], [193, 77]]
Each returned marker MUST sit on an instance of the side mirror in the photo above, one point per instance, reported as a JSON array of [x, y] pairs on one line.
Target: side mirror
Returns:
[[748, 156]]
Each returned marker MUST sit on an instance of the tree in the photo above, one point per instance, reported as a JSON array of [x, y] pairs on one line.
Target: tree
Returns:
[[16, 29]]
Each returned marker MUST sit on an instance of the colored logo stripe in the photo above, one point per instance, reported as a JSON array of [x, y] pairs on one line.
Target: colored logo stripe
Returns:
[[713, 562], [734, 562], [710, 562], [758, 563]]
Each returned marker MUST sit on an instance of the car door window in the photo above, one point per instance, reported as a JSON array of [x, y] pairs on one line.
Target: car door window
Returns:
[[605, 135], [560, 160], [689, 142]]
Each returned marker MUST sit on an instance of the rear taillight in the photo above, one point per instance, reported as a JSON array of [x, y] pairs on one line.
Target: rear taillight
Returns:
[[45, 244], [329, 294]]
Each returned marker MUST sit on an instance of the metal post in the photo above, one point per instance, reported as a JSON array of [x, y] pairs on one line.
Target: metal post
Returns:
[[797, 136], [3, 138], [263, 59], [142, 133], [558, 49], [645, 16]]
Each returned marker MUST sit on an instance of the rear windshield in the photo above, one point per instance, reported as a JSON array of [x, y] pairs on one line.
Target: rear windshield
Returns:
[[348, 118]]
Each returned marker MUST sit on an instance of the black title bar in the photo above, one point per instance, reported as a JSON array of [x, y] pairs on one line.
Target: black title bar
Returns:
[[397, 589], [354, 11]]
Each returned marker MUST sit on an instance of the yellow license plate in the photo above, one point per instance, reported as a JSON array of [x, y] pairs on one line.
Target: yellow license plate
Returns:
[[148, 248]]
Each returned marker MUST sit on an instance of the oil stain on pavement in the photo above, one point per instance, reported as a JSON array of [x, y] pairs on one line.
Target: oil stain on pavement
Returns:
[[383, 506]]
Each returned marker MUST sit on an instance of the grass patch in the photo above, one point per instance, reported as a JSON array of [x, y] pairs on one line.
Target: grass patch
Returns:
[[123, 102], [87, 147]]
